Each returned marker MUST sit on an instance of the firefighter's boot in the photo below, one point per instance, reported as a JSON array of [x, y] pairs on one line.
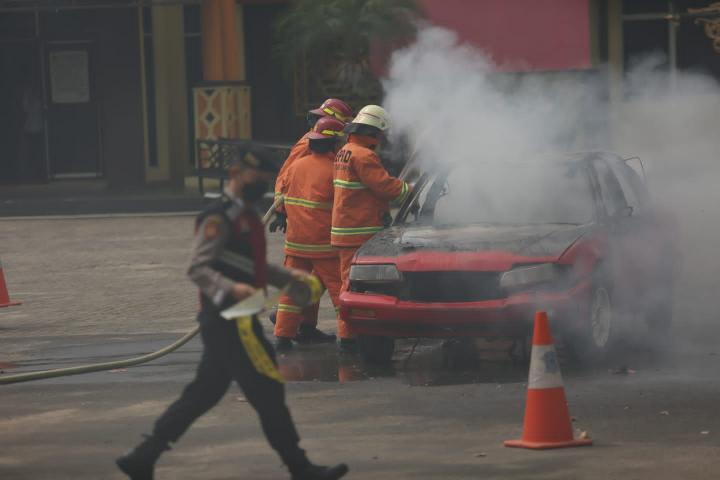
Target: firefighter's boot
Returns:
[[139, 464], [310, 334], [318, 472]]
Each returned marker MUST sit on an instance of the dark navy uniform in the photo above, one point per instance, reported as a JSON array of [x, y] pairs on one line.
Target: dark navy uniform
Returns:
[[229, 248]]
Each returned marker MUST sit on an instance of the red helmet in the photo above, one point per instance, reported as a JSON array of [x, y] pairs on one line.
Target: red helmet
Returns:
[[332, 107], [327, 127]]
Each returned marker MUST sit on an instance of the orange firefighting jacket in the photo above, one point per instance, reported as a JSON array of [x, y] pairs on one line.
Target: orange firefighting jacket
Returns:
[[298, 150], [308, 197], [363, 191]]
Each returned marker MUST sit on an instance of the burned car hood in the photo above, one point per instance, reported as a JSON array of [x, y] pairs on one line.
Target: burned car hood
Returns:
[[544, 240]]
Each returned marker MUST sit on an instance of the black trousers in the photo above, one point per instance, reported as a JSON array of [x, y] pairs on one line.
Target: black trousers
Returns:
[[224, 359]]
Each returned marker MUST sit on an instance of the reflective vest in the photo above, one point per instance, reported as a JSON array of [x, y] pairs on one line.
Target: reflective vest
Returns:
[[363, 192], [308, 197], [298, 150], [243, 256]]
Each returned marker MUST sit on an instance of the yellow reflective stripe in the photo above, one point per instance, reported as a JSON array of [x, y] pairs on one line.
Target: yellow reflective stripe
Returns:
[[307, 247], [403, 193], [332, 133], [255, 351], [301, 202], [349, 185], [283, 307], [336, 114], [354, 231]]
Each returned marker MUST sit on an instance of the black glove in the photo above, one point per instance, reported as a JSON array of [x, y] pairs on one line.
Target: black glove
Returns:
[[387, 219], [279, 223]]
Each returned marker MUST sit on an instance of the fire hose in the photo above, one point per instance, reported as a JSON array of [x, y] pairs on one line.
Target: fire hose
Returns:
[[304, 291]]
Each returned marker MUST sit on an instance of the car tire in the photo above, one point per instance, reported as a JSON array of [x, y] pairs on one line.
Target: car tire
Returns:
[[376, 350], [597, 336]]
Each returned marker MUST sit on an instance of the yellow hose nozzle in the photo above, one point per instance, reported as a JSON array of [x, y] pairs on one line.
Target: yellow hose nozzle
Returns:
[[305, 292]]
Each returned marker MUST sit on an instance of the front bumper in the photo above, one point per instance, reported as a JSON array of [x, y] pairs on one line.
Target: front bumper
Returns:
[[373, 314]]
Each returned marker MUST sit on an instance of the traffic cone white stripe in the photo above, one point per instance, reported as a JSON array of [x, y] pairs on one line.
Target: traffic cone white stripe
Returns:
[[544, 368]]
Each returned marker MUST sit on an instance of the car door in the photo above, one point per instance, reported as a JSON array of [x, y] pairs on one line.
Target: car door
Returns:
[[630, 259], [653, 242]]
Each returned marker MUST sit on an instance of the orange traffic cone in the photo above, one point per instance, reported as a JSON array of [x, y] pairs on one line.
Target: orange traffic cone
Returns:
[[547, 420], [4, 296]]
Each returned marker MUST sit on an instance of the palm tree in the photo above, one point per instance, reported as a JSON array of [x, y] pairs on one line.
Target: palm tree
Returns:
[[330, 41]]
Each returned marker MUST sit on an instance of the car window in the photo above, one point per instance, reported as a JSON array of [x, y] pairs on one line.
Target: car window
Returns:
[[416, 207], [633, 187], [611, 192], [511, 194]]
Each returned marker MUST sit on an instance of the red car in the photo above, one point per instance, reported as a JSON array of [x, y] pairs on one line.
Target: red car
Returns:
[[476, 251]]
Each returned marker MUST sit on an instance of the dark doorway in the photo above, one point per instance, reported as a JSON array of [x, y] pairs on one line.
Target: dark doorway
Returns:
[[73, 136], [22, 126]]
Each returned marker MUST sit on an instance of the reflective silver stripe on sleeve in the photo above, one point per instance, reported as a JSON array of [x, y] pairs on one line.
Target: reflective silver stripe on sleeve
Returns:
[[219, 297], [237, 261]]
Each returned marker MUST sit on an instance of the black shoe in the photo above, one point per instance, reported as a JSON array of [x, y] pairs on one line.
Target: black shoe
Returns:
[[283, 344], [317, 472], [348, 345], [139, 464], [309, 334]]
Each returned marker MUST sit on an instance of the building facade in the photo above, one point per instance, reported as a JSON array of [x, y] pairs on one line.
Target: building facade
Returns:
[[119, 90]]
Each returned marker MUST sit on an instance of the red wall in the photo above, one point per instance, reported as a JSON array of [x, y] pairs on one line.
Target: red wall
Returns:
[[520, 35]]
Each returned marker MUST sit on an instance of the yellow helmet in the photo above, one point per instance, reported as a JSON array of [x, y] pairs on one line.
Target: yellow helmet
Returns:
[[374, 116]]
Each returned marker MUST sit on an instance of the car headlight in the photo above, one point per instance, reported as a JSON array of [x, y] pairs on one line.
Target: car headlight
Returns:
[[531, 275], [375, 273]]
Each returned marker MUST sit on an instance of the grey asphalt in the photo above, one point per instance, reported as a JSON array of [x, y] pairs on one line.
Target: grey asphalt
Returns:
[[96, 290]]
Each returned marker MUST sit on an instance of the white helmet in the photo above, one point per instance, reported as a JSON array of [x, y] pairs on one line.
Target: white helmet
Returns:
[[373, 115]]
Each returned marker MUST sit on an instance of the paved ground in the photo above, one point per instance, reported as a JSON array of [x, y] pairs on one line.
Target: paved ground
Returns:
[[110, 288], [88, 196]]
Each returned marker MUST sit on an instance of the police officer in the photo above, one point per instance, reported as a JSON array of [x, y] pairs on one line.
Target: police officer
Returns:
[[228, 265]]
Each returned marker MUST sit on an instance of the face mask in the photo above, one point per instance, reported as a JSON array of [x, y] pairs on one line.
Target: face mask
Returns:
[[252, 192]]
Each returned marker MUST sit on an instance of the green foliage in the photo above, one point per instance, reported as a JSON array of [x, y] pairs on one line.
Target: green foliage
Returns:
[[333, 37]]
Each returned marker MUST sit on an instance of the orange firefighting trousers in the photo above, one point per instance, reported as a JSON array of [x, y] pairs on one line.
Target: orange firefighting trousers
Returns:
[[290, 316]]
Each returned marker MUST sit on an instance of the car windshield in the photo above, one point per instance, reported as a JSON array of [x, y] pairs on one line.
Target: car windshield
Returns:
[[513, 194]]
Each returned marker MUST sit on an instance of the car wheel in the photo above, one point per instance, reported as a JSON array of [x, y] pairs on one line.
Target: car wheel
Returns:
[[377, 350], [597, 335]]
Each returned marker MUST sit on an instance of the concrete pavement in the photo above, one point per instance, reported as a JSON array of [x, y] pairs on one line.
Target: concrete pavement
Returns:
[[103, 289]]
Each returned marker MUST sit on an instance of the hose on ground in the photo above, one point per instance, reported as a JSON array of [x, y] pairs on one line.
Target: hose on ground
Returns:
[[129, 362], [96, 367]]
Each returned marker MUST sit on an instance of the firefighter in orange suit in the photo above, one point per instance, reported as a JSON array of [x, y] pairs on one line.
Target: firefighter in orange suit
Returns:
[[307, 191], [333, 108], [363, 188]]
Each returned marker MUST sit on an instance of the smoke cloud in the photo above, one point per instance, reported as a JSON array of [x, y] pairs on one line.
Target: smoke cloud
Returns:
[[448, 100]]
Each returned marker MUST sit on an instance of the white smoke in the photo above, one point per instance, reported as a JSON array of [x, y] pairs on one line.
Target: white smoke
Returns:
[[449, 101]]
